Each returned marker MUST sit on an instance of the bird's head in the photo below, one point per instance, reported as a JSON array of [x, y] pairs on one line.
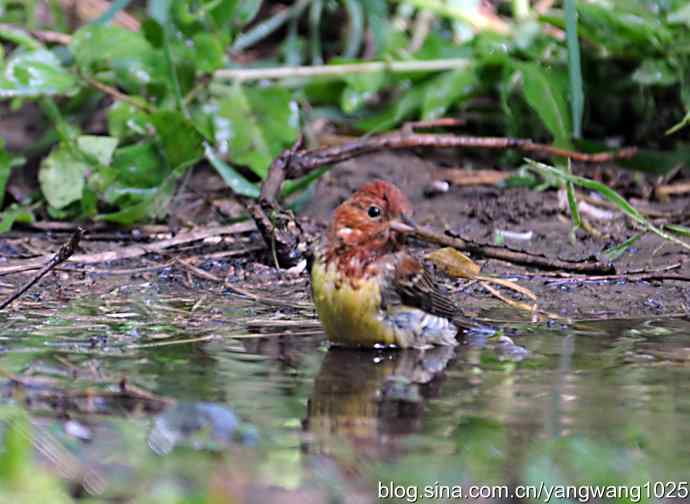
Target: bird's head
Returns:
[[371, 222]]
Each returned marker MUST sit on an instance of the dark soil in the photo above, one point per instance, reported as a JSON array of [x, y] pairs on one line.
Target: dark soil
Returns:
[[473, 213]]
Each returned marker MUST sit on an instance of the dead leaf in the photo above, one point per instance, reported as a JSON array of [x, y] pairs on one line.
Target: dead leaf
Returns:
[[454, 263]]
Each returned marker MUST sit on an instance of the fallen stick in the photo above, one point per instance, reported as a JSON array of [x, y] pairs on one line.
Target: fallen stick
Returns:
[[139, 250], [61, 256], [281, 230], [512, 256]]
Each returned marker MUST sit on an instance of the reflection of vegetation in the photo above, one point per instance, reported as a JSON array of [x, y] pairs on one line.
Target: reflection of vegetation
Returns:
[[20, 481], [179, 98]]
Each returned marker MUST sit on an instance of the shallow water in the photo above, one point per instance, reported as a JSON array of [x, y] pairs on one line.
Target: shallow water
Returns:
[[603, 403]]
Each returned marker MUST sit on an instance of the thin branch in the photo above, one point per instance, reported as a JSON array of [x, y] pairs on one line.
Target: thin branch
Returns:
[[138, 250], [61, 256], [282, 232], [513, 256], [117, 95]]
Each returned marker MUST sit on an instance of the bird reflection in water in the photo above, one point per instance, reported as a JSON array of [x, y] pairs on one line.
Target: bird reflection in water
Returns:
[[365, 402]]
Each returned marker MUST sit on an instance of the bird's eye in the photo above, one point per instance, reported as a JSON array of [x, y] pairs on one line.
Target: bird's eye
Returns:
[[374, 212]]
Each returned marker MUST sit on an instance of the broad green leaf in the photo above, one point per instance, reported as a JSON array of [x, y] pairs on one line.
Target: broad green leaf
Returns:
[[545, 93], [35, 73], [137, 165], [153, 206], [62, 177], [232, 177], [181, 142], [448, 89], [209, 52], [395, 113], [126, 120], [15, 213], [257, 124], [153, 32], [133, 59], [101, 148], [359, 89]]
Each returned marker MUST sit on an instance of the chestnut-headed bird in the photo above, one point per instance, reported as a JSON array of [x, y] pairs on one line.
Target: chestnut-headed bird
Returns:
[[367, 289]]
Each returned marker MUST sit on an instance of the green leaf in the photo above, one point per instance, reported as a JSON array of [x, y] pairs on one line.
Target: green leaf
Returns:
[[232, 178], [448, 89], [61, 176], [359, 89], [133, 166], [15, 213], [126, 120], [133, 59], [181, 142], [153, 206], [100, 148], [16, 454], [153, 32], [209, 52], [544, 91], [257, 124], [395, 113], [35, 73]]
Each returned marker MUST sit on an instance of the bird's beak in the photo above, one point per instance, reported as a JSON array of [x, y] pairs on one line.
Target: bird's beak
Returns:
[[404, 224]]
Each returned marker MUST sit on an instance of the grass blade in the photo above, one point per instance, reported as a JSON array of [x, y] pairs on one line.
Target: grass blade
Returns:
[[608, 193], [577, 98], [572, 202]]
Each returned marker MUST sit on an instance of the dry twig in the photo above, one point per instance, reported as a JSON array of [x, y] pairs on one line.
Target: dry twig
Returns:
[[61, 256]]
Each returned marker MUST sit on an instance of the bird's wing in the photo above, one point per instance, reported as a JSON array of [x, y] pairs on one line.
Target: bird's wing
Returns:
[[409, 282]]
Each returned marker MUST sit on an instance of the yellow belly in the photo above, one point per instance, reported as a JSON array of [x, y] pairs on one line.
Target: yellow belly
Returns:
[[351, 315]]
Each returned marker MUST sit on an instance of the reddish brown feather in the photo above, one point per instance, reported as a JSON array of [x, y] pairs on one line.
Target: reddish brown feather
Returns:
[[368, 239]]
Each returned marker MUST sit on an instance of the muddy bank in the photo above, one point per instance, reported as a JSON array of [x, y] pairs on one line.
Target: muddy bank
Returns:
[[540, 223]]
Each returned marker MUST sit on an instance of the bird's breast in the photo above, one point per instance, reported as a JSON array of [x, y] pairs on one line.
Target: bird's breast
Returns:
[[350, 311], [352, 314]]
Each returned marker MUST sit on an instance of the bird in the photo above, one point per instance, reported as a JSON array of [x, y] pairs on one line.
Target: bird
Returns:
[[367, 289]]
